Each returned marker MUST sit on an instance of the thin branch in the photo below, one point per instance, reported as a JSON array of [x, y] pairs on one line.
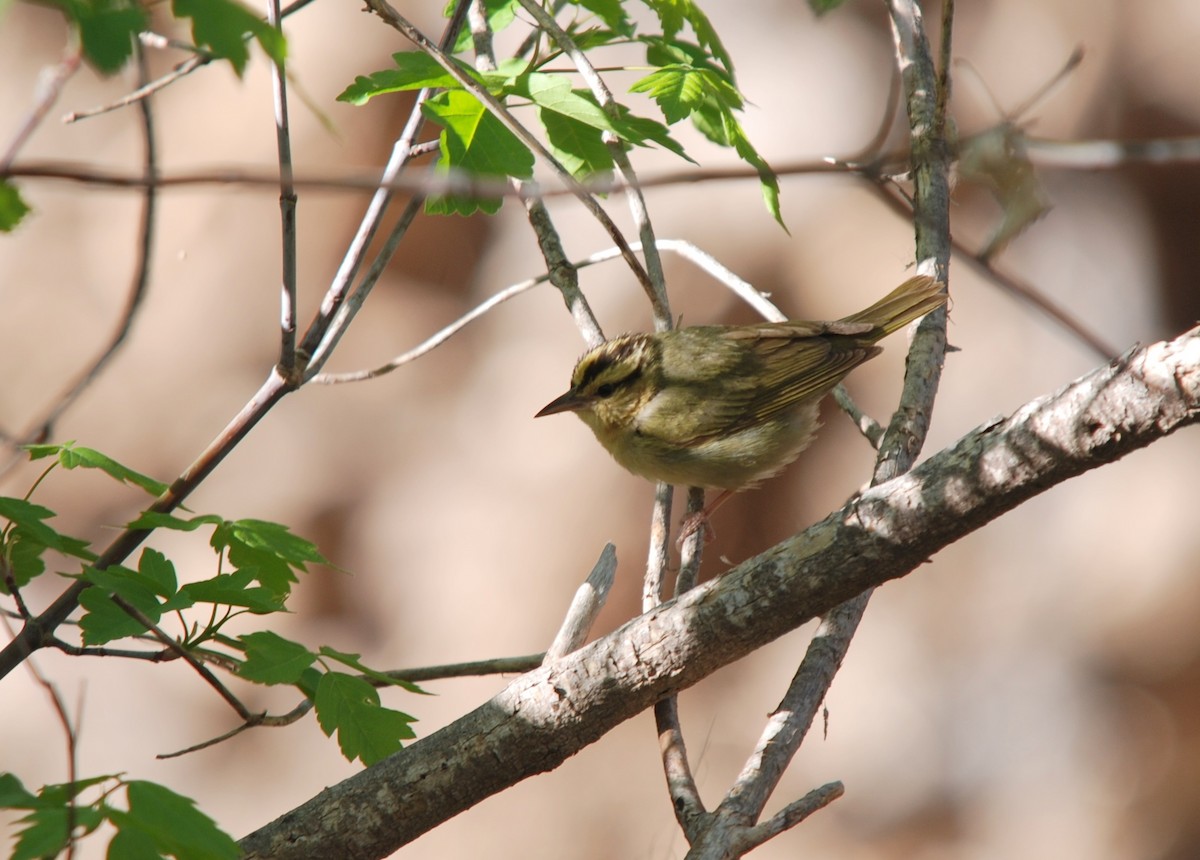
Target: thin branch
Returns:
[[656, 288], [341, 304], [493, 666], [548, 715], [496, 666], [182, 70], [681, 784], [790, 815], [976, 261], [42, 427], [251, 722], [585, 606], [562, 273], [390, 16], [38, 632], [49, 88], [185, 655], [287, 208], [898, 448]]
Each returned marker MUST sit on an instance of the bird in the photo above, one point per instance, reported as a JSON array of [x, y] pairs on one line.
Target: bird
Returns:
[[725, 407]]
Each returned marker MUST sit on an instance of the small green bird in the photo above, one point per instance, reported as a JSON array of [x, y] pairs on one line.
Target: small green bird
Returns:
[[727, 406]]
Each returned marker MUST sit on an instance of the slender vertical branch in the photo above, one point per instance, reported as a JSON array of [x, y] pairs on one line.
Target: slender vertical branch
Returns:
[[287, 208], [43, 426], [340, 304], [730, 832]]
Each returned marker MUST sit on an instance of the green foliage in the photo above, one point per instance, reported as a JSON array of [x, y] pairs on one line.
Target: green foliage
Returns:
[[106, 29], [475, 141], [156, 823], [690, 79], [365, 730], [823, 6], [13, 208], [220, 29], [72, 456], [257, 563], [170, 824]]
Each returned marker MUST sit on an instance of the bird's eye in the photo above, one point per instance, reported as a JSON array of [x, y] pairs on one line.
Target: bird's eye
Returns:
[[605, 390]]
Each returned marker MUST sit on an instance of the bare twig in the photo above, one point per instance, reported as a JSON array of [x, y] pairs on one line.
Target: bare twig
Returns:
[[287, 209], [341, 304], [656, 288], [42, 427], [493, 666], [49, 88], [975, 260], [588, 601], [681, 784], [562, 273], [725, 835]]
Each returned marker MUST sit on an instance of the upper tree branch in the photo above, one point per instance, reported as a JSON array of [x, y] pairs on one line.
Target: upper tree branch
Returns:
[[549, 714]]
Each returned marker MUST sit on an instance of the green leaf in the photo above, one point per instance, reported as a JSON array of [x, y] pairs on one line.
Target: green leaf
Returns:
[[673, 13], [414, 70], [13, 207], [60, 793], [710, 99], [13, 794], [271, 659], [131, 844], [354, 662], [768, 181], [45, 834], [474, 141], [677, 89], [28, 516], [554, 93], [232, 589], [500, 13], [105, 620], [173, 823], [222, 26], [72, 456], [642, 131], [107, 29], [150, 520], [820, 7], [269, 549], [579, 147], [156, 568], [612, 13], [366, 730], [24, 559], [574, 123]]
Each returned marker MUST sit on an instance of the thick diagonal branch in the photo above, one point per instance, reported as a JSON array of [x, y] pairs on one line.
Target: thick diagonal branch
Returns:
[[549, 714]]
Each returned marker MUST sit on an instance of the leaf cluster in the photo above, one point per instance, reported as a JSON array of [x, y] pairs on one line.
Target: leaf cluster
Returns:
[[257, 563], [689, 79]]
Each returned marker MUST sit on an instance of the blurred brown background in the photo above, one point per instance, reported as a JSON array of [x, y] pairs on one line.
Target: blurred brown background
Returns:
[[1034, 692]]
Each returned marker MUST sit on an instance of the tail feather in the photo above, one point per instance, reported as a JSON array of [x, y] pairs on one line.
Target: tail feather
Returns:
[[911, 300]]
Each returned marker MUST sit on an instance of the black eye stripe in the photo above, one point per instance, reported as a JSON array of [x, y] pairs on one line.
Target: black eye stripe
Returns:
[[614, 354]]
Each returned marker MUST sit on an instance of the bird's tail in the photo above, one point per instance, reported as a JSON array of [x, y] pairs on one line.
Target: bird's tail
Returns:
[[909, 301]]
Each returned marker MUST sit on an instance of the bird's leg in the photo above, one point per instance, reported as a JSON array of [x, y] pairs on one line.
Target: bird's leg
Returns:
[[701, 520]]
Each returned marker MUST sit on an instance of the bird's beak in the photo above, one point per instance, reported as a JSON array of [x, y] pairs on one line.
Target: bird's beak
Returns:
[[568, 402]]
